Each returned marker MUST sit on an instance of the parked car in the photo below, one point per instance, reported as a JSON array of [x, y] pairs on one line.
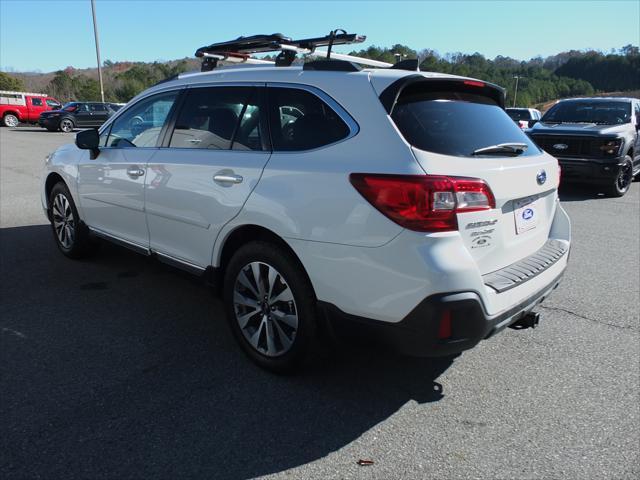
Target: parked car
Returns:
[[319, 196], [524, 117], [76, 114], [595, 140], [16, 107]]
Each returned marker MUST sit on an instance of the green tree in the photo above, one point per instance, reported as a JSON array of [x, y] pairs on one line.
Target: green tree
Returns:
[[8, 82]]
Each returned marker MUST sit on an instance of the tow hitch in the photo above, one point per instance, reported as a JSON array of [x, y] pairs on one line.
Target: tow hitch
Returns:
[[530, 320]]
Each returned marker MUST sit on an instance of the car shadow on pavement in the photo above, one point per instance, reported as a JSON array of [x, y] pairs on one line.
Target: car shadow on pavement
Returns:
[[571, 192], [120, 367], [34, 129]]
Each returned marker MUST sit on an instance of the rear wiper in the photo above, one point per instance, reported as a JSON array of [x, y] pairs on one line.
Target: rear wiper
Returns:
[[512, 148]]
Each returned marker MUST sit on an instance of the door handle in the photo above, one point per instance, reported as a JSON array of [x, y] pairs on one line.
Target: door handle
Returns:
[[135, 172], [228, 178], [195, 140]]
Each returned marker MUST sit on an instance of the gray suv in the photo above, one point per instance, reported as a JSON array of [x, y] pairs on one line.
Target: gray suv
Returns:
[[595, 140]]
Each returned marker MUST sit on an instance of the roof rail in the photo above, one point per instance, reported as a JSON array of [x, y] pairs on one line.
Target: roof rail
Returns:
[[240, 51]]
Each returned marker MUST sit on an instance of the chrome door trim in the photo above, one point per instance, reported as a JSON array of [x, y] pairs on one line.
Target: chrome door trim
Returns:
[[136, 247], [179, 263]]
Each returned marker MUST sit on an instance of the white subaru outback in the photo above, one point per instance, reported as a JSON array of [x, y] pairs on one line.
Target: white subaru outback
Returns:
[[406, 204]]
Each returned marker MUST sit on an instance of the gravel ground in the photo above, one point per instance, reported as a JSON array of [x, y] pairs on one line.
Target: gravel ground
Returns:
[[120, 367]]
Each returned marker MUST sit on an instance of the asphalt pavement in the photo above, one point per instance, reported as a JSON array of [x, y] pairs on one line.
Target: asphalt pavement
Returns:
[[120, 367]]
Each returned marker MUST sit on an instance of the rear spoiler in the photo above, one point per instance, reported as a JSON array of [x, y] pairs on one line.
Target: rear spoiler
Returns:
[[389, 97]]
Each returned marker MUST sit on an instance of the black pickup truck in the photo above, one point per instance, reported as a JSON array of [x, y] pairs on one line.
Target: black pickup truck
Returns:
[[595, 140]]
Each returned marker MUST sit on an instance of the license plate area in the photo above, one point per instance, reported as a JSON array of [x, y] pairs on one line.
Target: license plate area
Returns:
[[526, 213]]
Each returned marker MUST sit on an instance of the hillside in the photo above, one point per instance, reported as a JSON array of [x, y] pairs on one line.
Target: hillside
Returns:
[[541, 80], [543, 107]]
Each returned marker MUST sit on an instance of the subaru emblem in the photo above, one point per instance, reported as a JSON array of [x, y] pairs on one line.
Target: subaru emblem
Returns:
[[541, 177], [561, 146], [527, 214]]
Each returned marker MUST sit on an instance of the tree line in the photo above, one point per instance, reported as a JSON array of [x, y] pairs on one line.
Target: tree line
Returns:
[[566, 74]]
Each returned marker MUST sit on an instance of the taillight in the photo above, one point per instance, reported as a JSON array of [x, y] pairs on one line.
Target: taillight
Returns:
[[424, 203], [559, 175]]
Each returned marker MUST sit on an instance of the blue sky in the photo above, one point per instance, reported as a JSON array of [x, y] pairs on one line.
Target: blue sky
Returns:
[[49, 35]]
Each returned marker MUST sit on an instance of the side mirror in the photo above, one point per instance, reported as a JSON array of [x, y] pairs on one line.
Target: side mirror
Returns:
[[89, 140], [532, 123]]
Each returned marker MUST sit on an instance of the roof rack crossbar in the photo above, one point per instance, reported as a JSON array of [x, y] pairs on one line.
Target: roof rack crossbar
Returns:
[[240, 51]]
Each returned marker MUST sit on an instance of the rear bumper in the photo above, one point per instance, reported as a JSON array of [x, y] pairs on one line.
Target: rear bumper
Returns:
[[590, 170], [418, 333]]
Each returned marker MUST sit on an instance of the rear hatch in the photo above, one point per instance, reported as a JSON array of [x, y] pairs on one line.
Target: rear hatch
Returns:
[[458, 128]]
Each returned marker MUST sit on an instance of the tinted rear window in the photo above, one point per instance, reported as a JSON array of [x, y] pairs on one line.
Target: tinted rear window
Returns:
[[302, 121], [519, 114], [456, 123], [600, 112]]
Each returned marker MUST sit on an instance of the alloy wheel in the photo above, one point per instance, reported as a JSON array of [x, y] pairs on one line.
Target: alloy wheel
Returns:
[[66, 126], [625, 177], [265, 309], [63, 221], [11, 120]]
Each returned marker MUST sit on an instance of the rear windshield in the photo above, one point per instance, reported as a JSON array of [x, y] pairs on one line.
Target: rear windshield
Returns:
[[456, 123], [604, 113], [519, 114]]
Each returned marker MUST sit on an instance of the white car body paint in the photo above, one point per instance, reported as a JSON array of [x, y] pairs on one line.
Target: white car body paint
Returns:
[[356, 258]]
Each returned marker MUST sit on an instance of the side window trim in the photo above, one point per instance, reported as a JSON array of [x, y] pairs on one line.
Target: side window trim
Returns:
[[167, 129], [125, 108], [352, 125], [258, 88], [108, 126]]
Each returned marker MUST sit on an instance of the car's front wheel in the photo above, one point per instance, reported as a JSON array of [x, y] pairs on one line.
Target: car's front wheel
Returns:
[[66, 125], [71, 235], [270, 306], [623, 180], [10, 120]]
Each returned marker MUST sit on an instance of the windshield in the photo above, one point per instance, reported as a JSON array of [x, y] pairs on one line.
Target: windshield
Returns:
[[605, 113], [70, 107], [459, 124], [519, 114]]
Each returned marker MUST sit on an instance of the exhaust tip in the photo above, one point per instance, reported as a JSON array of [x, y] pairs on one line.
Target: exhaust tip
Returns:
[[530, 320]]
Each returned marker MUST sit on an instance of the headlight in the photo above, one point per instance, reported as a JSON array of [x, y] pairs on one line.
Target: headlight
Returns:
[[612, 147]]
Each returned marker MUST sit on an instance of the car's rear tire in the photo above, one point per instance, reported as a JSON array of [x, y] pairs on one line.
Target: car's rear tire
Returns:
[[67, 125], [271, 306], [10, 120], [623, 180], [71, 235]]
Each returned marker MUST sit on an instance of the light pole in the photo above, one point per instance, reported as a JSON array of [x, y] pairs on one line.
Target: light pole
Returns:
[[95, 32], [515, 93]]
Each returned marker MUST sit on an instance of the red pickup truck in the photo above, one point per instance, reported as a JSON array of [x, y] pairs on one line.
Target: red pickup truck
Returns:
[[16, 107]]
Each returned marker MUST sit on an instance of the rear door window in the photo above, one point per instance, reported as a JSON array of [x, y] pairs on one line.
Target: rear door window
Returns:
[[36, 102], [219, 118], [300, 120], [455, 122]]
